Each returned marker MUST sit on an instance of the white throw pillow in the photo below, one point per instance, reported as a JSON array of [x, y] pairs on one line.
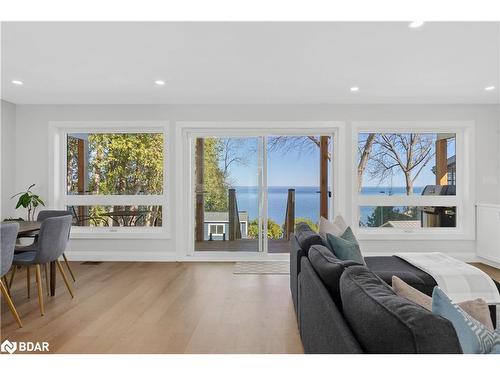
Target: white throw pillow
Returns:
[[337, 227]]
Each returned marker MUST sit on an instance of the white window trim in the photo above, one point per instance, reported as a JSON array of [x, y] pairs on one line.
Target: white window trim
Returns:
[[463, 201], [58, 198]]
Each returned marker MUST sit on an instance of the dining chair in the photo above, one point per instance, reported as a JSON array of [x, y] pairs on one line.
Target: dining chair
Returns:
[[50, 245], [42, 215], [8, 236], [45, 214]]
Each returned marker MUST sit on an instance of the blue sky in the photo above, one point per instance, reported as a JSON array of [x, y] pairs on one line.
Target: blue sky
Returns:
[[285, 168], [301, 168]]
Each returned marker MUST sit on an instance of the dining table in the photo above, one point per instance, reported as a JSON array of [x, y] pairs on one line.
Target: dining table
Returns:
[[31, 228]]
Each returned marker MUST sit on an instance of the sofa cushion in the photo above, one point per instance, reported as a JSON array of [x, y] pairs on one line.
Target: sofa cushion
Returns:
[[346, 246], [474, 337], [307, 237], [329, 269], [478, 308], [386, 323]]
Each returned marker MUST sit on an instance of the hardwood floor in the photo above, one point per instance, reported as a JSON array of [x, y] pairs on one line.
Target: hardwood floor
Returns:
[[130, 307], [122, 307], [492, 271]]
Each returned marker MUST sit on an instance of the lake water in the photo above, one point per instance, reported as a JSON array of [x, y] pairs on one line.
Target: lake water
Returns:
[[306, 200]]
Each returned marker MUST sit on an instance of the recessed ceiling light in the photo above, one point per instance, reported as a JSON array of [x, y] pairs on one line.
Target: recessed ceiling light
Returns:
[[159, 82], [17, 82], [354, 88], [416, 24], [489, 88]]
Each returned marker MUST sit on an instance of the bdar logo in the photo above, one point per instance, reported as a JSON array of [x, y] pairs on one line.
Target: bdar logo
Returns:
[[8, 347]]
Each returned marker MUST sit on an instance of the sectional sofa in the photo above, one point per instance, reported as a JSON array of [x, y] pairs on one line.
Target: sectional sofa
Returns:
[[342, 307]]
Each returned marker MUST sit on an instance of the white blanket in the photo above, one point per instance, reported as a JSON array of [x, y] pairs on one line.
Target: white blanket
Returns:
[[459, 280]]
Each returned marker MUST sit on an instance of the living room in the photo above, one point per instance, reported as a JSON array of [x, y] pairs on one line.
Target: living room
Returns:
[[250, 187]]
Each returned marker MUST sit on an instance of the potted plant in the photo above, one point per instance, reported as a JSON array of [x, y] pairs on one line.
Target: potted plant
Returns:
[[30, 201]]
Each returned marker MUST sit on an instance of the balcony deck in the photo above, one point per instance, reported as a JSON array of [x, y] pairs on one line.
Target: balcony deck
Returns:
[[274, 246]]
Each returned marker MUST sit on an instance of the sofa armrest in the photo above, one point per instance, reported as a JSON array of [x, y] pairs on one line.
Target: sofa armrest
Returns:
[[296, 253]]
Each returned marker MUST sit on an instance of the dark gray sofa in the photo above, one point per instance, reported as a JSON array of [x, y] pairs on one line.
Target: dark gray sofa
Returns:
[[320, 304], [401, 326]]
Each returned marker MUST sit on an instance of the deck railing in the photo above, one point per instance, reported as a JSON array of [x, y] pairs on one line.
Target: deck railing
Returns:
[[290, 214], [234, 217]]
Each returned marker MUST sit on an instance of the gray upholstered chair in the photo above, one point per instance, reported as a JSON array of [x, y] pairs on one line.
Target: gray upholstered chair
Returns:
[[50, 245], [42, 215], [45, 214], [8, 235]]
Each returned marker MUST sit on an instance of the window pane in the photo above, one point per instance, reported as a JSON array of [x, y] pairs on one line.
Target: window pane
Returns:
[[117, 216], [115, 163], [407, 163], [404, 217]]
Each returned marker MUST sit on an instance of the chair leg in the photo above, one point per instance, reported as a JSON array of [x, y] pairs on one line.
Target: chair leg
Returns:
[[28, 280], [47, 285], [10, 304], [14, 268], [59, 266], [69, 268], [6, 284], [39, 287]]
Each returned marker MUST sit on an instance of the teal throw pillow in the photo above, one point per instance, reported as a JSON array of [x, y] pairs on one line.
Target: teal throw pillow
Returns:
[[346, 246]]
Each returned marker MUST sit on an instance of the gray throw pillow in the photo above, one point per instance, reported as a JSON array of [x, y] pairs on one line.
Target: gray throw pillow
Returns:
[[329, 269], [346, 246]]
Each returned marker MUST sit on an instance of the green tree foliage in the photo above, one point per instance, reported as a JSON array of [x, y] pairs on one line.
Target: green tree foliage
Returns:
[[120, 164], [274, 230], [314, 226], [215, 180], [382, 215]]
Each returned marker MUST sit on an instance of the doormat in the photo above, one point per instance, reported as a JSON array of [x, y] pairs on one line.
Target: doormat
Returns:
[[272, 267]]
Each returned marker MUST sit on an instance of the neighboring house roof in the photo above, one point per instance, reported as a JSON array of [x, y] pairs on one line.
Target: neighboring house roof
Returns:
[[402, 224], [223, 216]]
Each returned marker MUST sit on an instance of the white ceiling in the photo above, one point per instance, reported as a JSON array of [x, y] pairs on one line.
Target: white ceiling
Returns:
[[117, 63]]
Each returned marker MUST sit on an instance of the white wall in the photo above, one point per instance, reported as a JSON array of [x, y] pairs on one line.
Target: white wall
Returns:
[[32, 155], [8, 157]]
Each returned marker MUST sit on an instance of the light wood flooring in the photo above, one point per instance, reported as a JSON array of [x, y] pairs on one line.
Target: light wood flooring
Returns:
[[122, 307], [125, 307]]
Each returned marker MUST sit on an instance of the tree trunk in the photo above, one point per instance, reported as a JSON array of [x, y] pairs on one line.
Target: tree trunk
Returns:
[[409, 183], [365, 156]]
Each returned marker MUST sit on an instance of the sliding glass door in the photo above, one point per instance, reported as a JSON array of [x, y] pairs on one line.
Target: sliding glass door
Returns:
[[228, 194], [251, 191]]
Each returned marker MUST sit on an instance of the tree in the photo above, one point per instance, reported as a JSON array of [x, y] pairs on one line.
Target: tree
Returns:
[[399, 152], [286, 144], [274, 230], [120, 163], [215, 179], [382, 215], [314, 226]]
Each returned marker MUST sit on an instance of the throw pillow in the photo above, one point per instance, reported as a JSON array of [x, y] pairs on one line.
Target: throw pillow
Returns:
[[478, 308], [329, 269], [335, 227], [346, 246], [474, 337]]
